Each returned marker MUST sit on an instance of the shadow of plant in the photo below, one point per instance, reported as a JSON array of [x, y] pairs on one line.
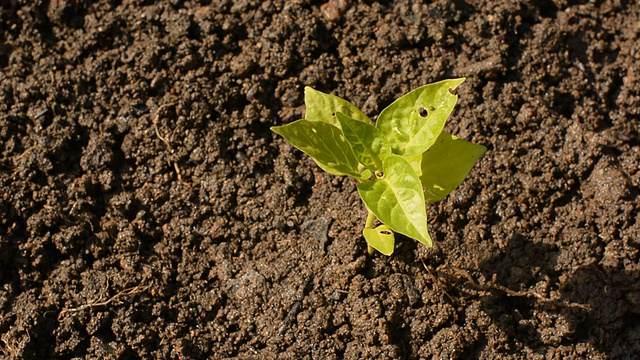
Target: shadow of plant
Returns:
[[540, 308]]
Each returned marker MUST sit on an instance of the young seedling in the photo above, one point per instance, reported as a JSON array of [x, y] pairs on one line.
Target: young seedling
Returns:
[[402, 162]]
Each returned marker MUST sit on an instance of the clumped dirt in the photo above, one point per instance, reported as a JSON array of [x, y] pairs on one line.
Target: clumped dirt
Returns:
[[148, 212]]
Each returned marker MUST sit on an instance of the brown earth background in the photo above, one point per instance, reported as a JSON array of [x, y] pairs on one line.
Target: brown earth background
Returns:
[[146, 210]]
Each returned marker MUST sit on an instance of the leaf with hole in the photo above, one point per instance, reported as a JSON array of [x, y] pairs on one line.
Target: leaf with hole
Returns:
[[380, 238], [402, 163], [414, 121], [397, 200]]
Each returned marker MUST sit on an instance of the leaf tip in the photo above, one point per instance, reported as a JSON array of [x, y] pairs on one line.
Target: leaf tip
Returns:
[[483, 149], [454, 84], [458, 81]]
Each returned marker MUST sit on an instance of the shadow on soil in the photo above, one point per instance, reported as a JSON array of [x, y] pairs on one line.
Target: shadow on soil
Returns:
[[596, 304]]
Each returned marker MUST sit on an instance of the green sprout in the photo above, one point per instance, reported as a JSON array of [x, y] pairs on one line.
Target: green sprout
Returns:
[[402, 162]]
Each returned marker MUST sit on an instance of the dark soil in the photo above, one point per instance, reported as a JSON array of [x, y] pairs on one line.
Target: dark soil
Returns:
[[148, 212]]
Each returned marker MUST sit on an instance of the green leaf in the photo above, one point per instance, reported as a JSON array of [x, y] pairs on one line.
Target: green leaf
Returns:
[[416, 163], [367, 142], [325, 143], [380, 238], [397, 199], [446, 164], [323, 107], [413, 122]]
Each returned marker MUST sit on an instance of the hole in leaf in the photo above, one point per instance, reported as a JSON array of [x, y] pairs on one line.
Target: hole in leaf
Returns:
[[423, 112], [385, 232], [333, 114], [453, 91], [379, 174]]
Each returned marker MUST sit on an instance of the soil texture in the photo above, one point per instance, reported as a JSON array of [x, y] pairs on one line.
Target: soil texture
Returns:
[[147, 211]]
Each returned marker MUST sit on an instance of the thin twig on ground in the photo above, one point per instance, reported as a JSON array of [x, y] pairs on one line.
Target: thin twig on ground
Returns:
[[512, 293], [437, 282], [166, 141], [138, 289]]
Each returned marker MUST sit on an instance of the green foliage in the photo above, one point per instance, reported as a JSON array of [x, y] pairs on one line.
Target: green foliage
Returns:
[[380, 238], [323, 107], [402, 162], [396, 198], [446, 164], [367, 142], [413, 122], [325, 143]]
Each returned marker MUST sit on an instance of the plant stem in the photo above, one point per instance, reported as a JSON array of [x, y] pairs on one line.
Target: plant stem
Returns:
[[369, 225]]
